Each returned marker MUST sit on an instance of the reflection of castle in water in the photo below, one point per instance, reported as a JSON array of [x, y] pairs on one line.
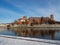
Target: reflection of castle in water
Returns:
[[37, 33]]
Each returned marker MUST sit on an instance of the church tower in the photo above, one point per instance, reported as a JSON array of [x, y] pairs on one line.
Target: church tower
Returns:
[[52, 17]]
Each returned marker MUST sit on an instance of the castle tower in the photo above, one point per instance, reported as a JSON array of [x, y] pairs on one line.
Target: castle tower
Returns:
[[24, 18], [52, 17]]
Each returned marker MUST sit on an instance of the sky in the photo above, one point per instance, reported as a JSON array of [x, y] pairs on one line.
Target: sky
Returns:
[[11, 10]]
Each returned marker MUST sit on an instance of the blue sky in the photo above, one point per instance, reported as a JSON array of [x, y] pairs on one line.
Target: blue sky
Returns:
[[11, 10]]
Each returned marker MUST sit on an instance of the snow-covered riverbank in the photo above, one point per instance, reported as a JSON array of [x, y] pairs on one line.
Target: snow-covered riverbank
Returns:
[[13, 40]]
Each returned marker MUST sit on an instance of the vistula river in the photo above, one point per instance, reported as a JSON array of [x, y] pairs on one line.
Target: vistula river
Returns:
[[50, 34]]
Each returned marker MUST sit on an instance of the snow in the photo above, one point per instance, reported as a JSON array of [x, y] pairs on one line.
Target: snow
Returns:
[[13, 40]]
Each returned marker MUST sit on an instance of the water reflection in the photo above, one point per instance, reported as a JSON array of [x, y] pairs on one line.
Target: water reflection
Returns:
[[34, 33], [45, 34]]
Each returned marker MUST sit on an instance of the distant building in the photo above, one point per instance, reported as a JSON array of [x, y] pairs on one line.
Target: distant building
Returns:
[[4, 25]]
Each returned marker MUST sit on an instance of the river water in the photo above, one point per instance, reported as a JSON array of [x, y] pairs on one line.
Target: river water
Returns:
[[50, 34]]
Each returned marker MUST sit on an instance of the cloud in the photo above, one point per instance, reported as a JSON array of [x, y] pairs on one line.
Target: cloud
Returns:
[[53, 8], [27, 10], [8, 15], [36, 9]]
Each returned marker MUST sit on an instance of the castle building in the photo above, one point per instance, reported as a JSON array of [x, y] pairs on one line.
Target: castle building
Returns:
[[37, 20], [41, 20], [22, 20]]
